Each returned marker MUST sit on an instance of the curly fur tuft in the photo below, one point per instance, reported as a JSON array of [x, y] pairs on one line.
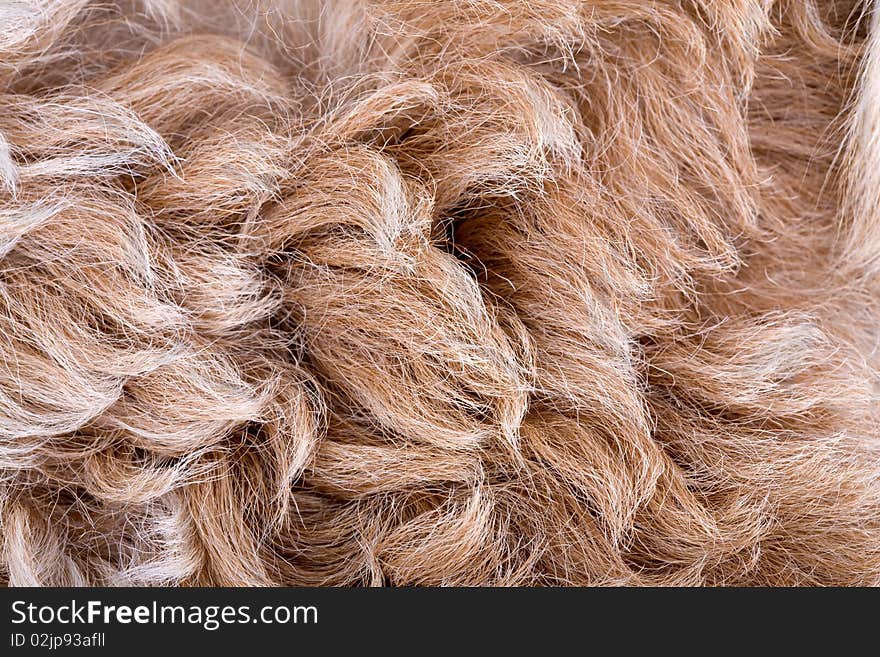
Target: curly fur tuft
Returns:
[[456, 293]]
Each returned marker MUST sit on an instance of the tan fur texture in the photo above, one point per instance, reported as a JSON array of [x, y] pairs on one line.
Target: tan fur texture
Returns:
[[484, 292]]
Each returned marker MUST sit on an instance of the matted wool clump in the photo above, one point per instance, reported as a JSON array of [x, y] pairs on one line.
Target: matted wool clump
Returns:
[[440, 293]]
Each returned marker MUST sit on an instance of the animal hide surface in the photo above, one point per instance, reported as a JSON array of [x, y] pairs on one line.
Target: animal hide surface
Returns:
[[484, 292]]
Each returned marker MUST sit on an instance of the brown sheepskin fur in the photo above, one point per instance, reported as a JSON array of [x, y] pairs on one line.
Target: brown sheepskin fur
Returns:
[[464, 292]]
